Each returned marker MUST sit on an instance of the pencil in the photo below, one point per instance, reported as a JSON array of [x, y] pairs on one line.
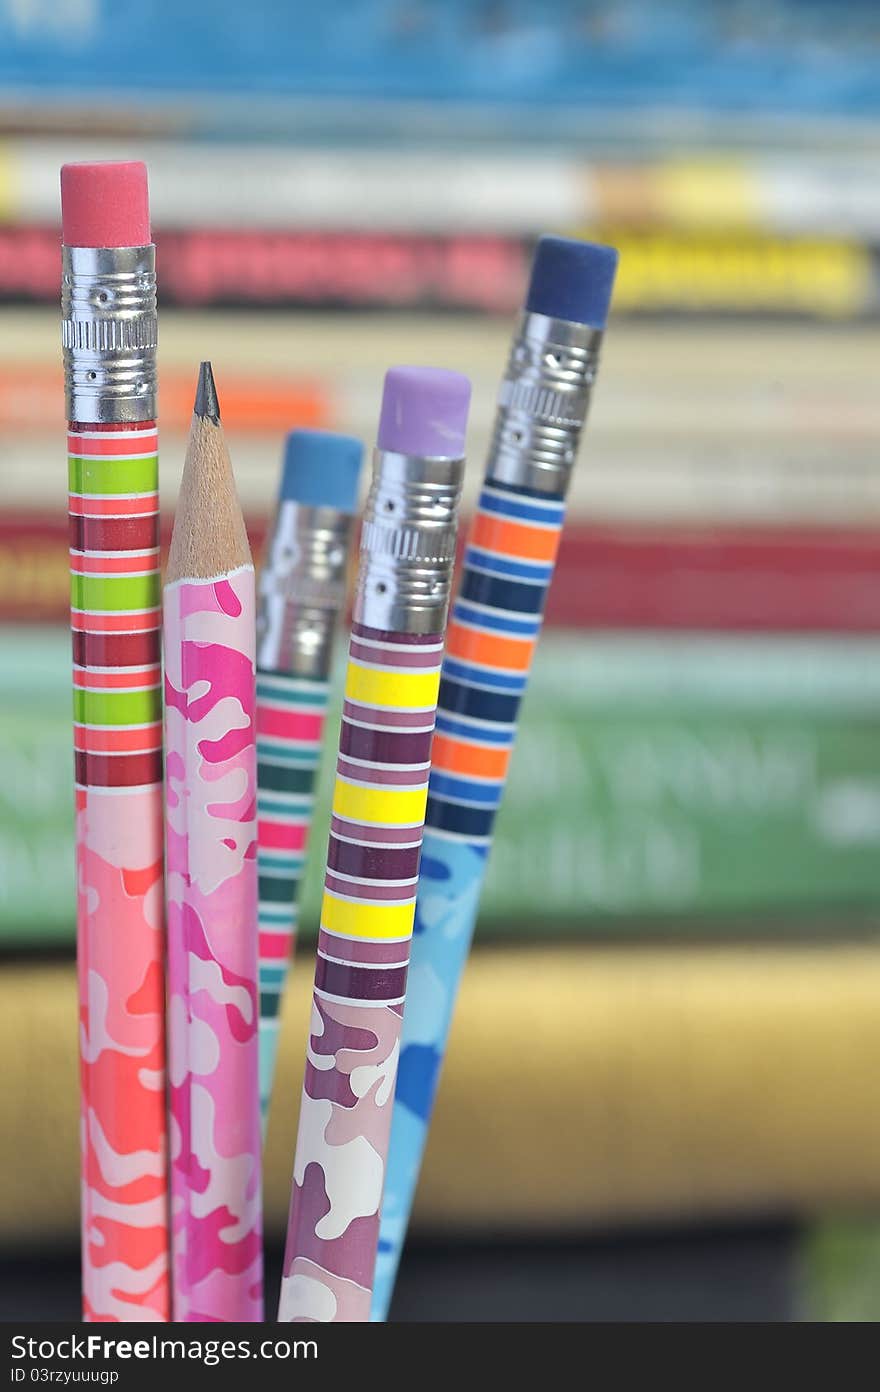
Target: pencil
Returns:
[[401, 601], [109, 351], [211, 879], [508, 565], [301, 593]]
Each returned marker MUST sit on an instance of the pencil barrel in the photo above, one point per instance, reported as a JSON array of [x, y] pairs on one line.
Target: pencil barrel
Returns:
[[360, 980], [211, 884], [291, 720], [115, 620]]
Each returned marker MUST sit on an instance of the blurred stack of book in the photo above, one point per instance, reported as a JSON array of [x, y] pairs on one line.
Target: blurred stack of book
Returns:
[[786, 234], [699, 767], [700, 748], [700, 751], [399, 154]]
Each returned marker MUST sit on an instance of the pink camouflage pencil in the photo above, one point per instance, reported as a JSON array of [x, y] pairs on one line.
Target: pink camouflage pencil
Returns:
[[211, 881]]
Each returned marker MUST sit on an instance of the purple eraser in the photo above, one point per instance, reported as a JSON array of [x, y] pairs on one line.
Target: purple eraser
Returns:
[[424, 411]]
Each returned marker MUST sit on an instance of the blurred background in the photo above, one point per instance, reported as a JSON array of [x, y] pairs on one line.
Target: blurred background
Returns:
[[662, 1097]]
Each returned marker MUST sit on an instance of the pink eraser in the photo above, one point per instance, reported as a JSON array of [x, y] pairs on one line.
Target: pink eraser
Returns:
[[105, 204]]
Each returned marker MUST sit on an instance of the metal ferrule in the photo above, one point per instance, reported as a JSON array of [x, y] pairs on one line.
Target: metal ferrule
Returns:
[[302, 590], [408, 542], [543, 403], [108, 333]]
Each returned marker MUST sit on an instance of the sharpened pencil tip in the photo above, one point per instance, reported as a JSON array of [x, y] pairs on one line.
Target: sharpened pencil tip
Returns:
[[207, 405]]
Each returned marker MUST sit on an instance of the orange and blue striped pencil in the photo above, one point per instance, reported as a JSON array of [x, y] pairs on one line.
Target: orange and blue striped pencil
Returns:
[[493, 630]]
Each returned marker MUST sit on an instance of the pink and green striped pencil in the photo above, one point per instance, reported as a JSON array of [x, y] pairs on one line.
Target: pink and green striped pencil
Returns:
[[109, 346]]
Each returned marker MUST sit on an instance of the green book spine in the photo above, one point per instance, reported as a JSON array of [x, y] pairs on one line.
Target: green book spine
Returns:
[[661, 784]]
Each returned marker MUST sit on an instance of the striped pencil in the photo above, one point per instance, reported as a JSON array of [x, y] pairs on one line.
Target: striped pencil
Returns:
[[496, 619], [407, 551], [109, 350], [211, 841], [302, 590]]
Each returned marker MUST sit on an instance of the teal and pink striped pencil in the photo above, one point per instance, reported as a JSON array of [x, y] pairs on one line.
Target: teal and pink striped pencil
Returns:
[[302, 592]]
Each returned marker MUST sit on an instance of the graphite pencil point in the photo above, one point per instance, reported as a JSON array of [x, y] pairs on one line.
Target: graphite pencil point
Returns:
[[207, 406]]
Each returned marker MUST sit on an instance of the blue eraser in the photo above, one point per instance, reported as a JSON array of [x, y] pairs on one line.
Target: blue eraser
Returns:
[[321, 469], [572, 280]]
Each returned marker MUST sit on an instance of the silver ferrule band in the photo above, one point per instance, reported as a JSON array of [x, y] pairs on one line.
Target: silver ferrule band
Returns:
[[543, 403], [108, 333], [408, 542], [302, 589]]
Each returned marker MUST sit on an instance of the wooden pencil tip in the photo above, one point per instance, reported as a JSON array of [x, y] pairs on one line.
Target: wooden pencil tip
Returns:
[[207, 406]]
